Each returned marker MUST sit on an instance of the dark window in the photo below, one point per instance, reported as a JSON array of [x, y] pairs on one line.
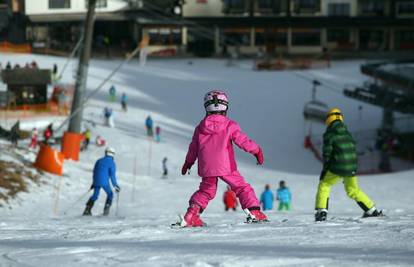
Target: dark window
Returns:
[[238, 4], [273, 6], [310, 38], [307, 4], [342, 9], [404, 39], [372, 7], [55, 4], [165, 36], [371, 39], [99, 3], [339, 35], [405, 8], [266, 4], [269, 36], [236, 37]]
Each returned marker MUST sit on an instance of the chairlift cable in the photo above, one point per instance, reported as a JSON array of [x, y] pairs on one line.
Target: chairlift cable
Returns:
[[100, 86], [313, 78], [72, 54]]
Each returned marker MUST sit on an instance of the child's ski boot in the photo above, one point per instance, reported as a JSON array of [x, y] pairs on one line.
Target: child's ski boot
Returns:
[[254, 215], [191, 218], [373, 212], [321, 215]]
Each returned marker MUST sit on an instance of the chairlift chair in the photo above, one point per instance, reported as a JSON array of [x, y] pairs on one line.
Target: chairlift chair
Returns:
[[315, 110]]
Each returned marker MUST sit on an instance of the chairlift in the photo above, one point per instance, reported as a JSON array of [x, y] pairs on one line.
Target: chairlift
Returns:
[[315, 110]]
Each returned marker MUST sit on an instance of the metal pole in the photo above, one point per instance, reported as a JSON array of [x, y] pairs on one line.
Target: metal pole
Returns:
[[75, 122], [135, 176], [76, 202], [117, 204], [149, 155]]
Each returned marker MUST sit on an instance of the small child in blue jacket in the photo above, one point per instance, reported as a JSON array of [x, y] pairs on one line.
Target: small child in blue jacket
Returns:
[[266, 199], [284, 196]]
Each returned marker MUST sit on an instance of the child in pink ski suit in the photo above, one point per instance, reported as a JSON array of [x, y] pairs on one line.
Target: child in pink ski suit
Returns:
[[212, 145], [33, 139]]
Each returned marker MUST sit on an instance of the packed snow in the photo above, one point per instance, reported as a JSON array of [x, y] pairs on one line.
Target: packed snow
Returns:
[[44, 226]]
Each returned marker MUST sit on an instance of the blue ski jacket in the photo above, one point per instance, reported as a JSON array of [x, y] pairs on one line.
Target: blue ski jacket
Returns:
[[267, 200], [149, 122], [283, 195], [104, 170], [124, 98]]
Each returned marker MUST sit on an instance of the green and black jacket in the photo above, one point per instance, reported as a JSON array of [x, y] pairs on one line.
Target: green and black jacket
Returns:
[[339, 152]]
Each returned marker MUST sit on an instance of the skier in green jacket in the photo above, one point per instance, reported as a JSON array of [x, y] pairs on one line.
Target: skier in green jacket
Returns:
[[340, 162]]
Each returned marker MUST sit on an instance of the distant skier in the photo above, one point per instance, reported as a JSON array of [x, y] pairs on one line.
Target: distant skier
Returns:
[[99, 141], [86, 139], [164, 168], [62, 103], [112, 94], [14, 134], [109, 117], [33, 139], [124, 99], [284, 196], [48, 134], [149, 124], [158, 134], [104, 170], [267, 198], [55, 76], [229, 199], [340, 163], [212, 146]]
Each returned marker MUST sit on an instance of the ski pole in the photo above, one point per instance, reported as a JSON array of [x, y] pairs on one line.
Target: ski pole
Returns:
[[76, 202], [117, 204]]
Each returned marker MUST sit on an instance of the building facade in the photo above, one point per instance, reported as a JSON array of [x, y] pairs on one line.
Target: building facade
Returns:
[[208, 27], [308, 26]]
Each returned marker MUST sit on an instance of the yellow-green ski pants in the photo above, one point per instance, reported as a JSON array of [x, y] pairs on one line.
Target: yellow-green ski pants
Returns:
[[351, 188]]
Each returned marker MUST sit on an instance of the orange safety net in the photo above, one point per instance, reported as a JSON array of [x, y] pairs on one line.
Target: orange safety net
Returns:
[[49, 160], [71, 144], [15, 48]]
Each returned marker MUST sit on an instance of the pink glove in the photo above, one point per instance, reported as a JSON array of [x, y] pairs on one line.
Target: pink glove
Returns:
[[259, 157], [186, 167]]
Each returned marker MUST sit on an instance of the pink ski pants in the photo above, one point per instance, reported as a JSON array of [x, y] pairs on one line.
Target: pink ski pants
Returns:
[[208, 188]]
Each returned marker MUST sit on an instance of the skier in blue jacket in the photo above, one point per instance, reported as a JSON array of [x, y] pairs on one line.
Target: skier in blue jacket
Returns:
[[266, 199], [284, 196], [104, 170], [149, 123]]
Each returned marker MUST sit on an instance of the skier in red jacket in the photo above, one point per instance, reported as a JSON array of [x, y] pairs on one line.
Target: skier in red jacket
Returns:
[[229, 199]]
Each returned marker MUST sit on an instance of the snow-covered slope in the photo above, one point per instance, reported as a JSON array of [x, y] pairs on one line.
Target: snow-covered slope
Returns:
[[268, 106]]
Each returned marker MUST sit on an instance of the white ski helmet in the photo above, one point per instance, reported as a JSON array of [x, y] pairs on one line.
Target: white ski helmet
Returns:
[[109, 151], [216, 101]]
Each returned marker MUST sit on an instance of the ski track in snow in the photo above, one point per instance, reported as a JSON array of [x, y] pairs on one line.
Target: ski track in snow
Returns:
[[171, 91]]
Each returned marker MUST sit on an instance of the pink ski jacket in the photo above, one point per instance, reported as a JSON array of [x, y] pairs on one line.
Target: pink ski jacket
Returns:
[[212, 145]]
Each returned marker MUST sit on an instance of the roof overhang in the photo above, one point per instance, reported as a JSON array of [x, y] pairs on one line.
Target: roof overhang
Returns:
[[74, 17], [399, 74]]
